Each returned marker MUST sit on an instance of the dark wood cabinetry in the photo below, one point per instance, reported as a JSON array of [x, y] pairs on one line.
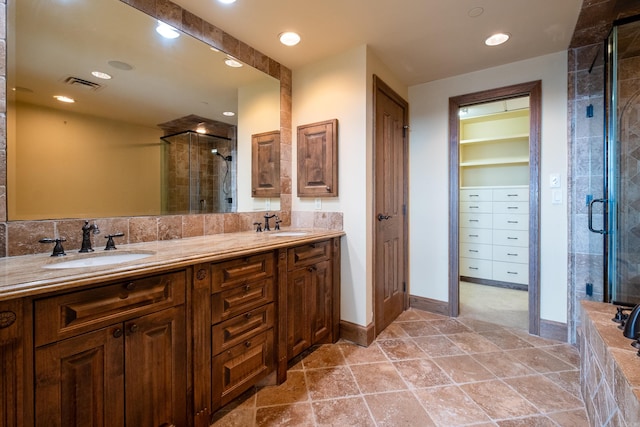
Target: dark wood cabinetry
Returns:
[[243, 317], [310, 297], [12, 357], [113, 355], [318, 159], [265, 164]]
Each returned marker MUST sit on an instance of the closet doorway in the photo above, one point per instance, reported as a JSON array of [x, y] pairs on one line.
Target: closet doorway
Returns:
[[494, 206]]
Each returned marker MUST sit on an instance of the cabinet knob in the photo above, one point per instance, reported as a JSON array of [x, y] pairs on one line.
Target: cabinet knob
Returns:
[[117, 333], [248, 315], [247, 344], [312, 268], [328, 188], [247, 288], [130, 286], [133, 328], [167, 425]]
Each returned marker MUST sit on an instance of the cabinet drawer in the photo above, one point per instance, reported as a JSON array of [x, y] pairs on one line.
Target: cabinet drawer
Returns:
[[238, 329], [67, 315], [237, 369], [511, 194], [302, 256], [511, 238], [510, 222], [511, 272], [475, 195], [473, 220], [229, 303], [476, 207], [517, 254], [475, 235], [479, 268], [511, 207], [474, 250], [239, 271]]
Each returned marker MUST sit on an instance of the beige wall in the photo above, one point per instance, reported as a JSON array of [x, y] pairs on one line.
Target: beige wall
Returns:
[[71, 165], [429, 158]]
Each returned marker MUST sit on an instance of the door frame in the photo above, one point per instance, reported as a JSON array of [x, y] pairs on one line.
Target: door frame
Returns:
[[378, 84], [534, 91]]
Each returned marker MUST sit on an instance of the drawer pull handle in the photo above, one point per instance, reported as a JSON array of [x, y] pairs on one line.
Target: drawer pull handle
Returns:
[[512, 254], [117, 333], [247, 288], [133, 328], [247, 344], [474, 195], [168, 425], [512, 195], [473, 250], [474, 207], [512, 238], [473, 235], [512, 222], [512, 207], [512, 272], [474, 220], [248, 315], [312, 268], [130, 286], [473, 268]]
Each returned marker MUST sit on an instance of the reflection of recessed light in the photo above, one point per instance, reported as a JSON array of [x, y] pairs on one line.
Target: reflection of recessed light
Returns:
[[289, 38], [229, 113], [496, 39], [214, 49], [167, 31], [66, 99], [101, 75], [201, 130], [231, 62], [227, 1]]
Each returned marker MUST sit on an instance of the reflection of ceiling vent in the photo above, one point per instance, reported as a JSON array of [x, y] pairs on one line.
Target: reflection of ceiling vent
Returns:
[[78, 82]]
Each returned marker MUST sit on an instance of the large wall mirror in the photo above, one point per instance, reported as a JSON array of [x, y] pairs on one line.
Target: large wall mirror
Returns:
[[153, 139]]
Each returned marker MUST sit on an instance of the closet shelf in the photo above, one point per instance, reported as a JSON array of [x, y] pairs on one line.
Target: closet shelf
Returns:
[[491, 162], [506, 138]]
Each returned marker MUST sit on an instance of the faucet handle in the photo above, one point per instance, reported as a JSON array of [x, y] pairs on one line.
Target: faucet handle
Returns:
[[58, 250], [278, 221], [110, 243], [259, 227]]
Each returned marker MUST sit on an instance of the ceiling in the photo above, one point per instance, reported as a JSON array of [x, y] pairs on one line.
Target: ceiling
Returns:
[[419, 40]]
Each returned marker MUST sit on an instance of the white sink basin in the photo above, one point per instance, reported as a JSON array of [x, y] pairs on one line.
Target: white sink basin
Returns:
[[289, 233], [98, 260]]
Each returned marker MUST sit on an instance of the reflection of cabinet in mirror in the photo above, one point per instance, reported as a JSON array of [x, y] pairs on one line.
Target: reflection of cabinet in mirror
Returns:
[[494, 202], [318, 159], [265, 164]]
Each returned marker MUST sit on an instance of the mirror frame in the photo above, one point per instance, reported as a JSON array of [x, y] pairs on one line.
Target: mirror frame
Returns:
[[21, 237]]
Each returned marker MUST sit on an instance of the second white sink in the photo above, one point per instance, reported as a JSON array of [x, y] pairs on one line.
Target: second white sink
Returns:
[[98, 260]]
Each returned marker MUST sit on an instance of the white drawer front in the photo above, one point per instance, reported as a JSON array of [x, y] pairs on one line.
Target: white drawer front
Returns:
[[517, 254], [476, 207], [475, 235], [511, 272], [479, 220], [480, 268], [475, 250], [511, 194], [475, 195], [510, 222], [511, 238], [511, 207]]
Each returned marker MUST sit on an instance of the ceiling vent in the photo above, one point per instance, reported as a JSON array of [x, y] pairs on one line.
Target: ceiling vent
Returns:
[[78, 82]]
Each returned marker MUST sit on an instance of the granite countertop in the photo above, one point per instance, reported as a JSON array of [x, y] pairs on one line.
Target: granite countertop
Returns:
[[23, 276]]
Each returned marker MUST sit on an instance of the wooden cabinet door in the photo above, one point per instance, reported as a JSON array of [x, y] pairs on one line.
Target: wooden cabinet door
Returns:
[[320, 315], [299, 301], [156, 369], [318, 159], [265, 164], [12, 393], [80, 381]]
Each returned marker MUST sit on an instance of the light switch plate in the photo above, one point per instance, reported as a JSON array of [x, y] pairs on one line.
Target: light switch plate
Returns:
[[554, 180], [556, 197]]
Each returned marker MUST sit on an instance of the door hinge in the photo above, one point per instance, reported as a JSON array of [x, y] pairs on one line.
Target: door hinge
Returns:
[[404, 210], [404, 286], [404, 130]]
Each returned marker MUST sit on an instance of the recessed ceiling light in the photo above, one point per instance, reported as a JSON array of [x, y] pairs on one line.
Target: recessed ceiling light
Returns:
[[497, 39], [66, 99], [289, 38], [232, 62], [101, 75], [227, 1], [475, 12], [167, 31], [121, 65], [229, 113]]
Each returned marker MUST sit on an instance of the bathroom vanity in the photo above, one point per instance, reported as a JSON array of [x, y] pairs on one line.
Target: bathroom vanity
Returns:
[[163, 340]]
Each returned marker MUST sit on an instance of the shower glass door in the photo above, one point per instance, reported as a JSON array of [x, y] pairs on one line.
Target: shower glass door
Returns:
[[623, 163]]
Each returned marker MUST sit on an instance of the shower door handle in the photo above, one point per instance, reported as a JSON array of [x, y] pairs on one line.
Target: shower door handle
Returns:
[[590, 215]]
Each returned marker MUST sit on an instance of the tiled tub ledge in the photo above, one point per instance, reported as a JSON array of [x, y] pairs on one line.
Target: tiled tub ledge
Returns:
[[609, 369]]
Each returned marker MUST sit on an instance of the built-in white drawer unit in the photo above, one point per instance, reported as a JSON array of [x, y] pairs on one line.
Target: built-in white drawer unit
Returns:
[[476, 220], [511, 238], [475, 235], [519, 194], [476, 207], [510, 272], [510, 222], [480, 268], [510, 254], [510, 207], [476, 195]]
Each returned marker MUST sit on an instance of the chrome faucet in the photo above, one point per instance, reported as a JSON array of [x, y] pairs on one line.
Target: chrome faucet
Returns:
[[86, 235]]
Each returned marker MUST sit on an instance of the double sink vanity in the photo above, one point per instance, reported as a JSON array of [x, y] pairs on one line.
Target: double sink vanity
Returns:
[[161, 333]]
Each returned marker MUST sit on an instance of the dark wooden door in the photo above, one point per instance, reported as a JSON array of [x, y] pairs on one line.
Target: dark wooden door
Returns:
[[80, 381], [265, 164], [156, 369], [298, 308], [321, 304], [390, 181]]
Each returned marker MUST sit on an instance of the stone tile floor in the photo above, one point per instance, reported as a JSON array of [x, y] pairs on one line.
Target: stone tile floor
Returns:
[[424, 370]]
